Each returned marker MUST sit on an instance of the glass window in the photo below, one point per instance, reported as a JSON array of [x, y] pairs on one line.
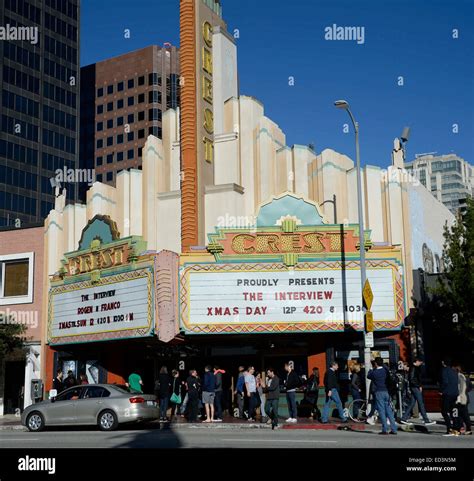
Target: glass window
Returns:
[[130, 83], [100, 126], [110, 89], [15, 277], [130, 136], [141, 115], [120, 139], [99, 160], [110, 158], [110, 107], [110, 123], [70, 394], [100, 109], [100, 143], [119, 86], [110, 141], [99, 177], [119, 156], [130, 154], [119, 121], [110, 176], [100, 92], [141, 98], [120, 104], [95, 392], [130, 101], [130, 118], [141, 80], [141, 133]]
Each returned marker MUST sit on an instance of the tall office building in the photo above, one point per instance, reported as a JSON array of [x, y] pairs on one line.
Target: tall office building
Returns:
[[39, 83], [448, 177], [122, 102]]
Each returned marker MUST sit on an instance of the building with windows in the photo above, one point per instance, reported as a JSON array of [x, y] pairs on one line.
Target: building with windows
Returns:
[[21, 291], [448, 177], [39, 125], [122, 102]]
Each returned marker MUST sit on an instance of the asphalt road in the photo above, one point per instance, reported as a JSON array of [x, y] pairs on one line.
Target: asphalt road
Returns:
[[226, 438]]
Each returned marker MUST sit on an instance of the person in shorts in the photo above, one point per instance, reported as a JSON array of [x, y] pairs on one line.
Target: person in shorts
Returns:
[[209, 393]]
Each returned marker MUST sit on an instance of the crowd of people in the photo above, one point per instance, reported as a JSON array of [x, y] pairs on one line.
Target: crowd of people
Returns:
[[256, 395]]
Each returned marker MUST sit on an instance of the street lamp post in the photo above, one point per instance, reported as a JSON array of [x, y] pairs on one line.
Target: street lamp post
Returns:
[[342, 104], [333, 202]]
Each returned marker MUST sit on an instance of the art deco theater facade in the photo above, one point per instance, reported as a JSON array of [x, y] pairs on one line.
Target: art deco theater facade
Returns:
[[219, 250]]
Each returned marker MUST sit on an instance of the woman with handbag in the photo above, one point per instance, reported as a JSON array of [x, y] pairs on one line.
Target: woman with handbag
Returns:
[[176, 386]]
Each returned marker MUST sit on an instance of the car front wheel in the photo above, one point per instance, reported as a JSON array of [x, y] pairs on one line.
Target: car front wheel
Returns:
[[107, 421], [35, 422]]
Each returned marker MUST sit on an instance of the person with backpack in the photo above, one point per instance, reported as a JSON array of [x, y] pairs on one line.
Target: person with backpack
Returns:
[[416, 389], [379, 376], [462, 401], [449, 395], [292, 383], [331, 385]]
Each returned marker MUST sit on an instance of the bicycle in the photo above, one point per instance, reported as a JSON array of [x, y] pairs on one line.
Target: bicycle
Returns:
[[360, 407]]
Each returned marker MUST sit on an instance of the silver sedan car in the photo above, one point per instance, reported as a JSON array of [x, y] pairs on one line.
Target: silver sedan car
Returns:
[[102, 405]]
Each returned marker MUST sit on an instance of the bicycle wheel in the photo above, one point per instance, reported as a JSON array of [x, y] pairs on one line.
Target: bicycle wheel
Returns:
[[357, 410]]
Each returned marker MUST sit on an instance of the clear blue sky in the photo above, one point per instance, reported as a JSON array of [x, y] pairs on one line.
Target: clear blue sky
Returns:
[[280, 38]]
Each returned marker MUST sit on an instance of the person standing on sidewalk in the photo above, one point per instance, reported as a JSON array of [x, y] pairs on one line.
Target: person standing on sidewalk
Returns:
[[356, 387], [164, 385], [416, 389], [219, 390], [251, 388], [449, 395], [312, 393], [209, 393], [331, 386], [194, 386], [176, 385], [261, 396], [465, 386], [292, 382], [240, 391], [272, 395], [382, 398], [135, 383], [58, 381]]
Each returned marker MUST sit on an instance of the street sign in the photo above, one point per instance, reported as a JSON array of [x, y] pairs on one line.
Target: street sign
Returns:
[[367, 294], [369, 321], [369, 339]]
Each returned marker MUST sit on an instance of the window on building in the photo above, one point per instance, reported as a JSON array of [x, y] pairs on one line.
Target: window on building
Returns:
[[120, 139], [110, 176], [141, 115], [110, 141], [141, 133], [100, 109], [141, 98], [120, 87], [99, 177], [130, 154], [120, 104], [100, 92], [119, 156], [141, 80], [130, 118], [130, 83], [130, 101], [16, 278], [110, 123], [140, 150], [110, 89], [110, 158], [98, 161], [100, 126], [110, 106], [99, 143], [119, 121], [130, 136]]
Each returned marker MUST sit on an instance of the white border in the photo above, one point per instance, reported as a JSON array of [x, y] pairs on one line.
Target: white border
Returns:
[[28, 299]]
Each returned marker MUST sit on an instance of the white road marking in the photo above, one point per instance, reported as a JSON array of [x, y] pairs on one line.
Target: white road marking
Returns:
[[20, 439]]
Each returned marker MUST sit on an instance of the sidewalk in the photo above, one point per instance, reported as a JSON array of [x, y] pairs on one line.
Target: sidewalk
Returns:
[[11, 422]]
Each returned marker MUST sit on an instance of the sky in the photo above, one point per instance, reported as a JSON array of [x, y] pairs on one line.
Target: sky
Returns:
[[281, 39]]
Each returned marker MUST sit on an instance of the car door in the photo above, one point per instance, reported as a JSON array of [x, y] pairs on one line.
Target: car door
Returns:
[[63, 409], [90, 404]]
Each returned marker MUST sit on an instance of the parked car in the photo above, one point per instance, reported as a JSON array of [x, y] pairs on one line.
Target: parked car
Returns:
[[103, 405]]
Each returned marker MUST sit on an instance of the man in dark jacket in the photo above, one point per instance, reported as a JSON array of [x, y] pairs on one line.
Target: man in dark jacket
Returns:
[[272, 391], [70, 380], [331, 385], [193, 386], [416, 389], [292, 382], [209, 393], [218, 397], [449, 394], [58, 381], [378, 376]]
